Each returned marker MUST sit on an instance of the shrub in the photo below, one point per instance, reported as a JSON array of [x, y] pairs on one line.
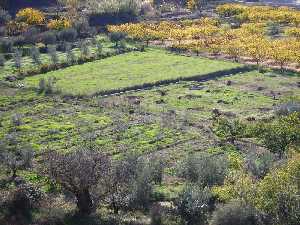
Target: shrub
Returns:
[[53, 54], [16, 120], [15, 159], [35, 55], [84, 49], [157, 166], [293, 32], [259, 165], [48, 38], [59, 24], [17, 59], [229, 130], [71, 58], [116, 37], [21, 201], [156, 216], [84, 30], [236, 213], [31, 35], [119, 183], [30, 16], [99, 48], [281, 134], [114, 11], [227, 10], [15, 28], [193, 204], [46, 86], [2, 60], [140, 196], [273, 28], [19, 41], [6, 45], [278, 193], [205, 169], [287, 108], [68, 35], [4, 16]]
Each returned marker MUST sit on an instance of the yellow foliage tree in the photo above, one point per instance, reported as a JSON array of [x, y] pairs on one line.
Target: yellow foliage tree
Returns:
[[59, 24], [30, 16]]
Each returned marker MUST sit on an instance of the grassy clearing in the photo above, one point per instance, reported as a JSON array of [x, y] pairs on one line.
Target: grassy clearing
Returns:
[[250, 94], [51, 122], [128, 70]]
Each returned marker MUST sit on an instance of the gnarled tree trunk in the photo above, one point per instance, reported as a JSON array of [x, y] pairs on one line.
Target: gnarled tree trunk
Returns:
[[84, 202]]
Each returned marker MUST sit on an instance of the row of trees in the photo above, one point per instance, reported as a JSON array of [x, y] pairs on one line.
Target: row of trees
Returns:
[[206, 35], [255, 14]]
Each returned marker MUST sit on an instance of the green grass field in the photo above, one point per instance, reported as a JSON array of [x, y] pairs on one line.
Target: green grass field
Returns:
[[55, 123], [127, 70]]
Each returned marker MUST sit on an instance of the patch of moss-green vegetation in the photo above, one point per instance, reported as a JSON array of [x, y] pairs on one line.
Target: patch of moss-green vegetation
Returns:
[[173, 120]]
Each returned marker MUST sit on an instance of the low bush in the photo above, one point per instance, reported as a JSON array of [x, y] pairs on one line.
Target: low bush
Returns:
[[4, 16], [35, 55], [205, 169], [229, 131], [236, 213], [85, 49], [59, 24], [114, 11], [287, 108], [21, 202], [53, 54], [116, 37], [16, 28], [6, 45], [68, 35], [71, 58], [193, 205], [48, 38], [2, 60], [19, 41], [18, 59], [84, 29], [31, 35]]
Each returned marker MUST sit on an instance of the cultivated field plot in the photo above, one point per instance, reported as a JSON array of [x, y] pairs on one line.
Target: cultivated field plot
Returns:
[[27, 62], [135, 68], [175, 117]]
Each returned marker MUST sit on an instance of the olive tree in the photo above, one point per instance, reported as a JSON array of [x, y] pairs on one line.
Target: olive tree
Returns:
[[14, 156], [78, 172]]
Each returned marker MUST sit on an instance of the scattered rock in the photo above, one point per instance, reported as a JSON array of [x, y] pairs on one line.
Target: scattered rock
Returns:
[[222, 101], [216, 112], [162, 92], [229, 114], [229, 83], [160, 101], [260, 88], [196, 87], [134, 100], [298, 84], [11, 78]]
